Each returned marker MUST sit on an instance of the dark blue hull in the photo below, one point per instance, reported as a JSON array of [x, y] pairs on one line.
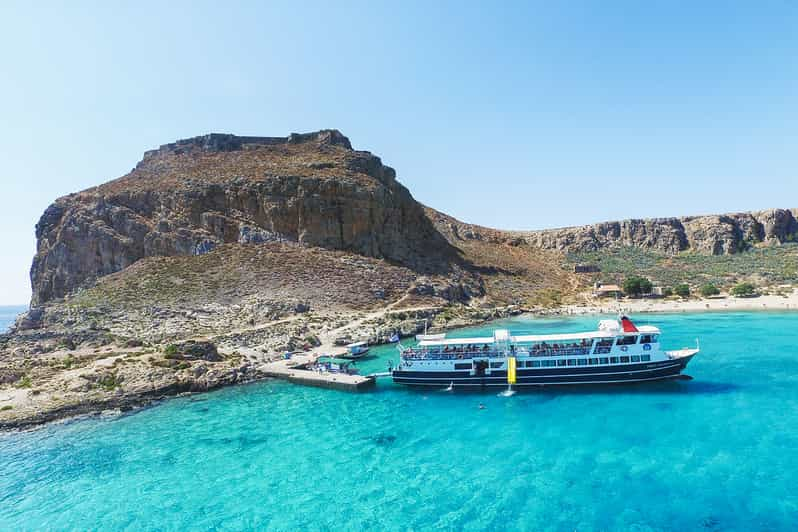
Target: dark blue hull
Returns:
[[650, 371]]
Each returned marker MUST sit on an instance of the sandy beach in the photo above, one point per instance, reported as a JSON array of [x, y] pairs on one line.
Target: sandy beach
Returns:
[[717, 303]]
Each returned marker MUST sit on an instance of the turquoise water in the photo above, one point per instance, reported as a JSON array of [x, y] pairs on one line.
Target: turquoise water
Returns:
[[716, 453], [8, 314]]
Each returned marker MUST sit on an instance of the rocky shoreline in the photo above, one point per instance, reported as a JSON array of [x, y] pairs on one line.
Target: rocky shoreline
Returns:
[[93, 377], [76, 381]]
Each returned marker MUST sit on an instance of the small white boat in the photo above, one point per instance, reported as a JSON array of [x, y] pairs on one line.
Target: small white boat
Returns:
[[430, 337], [356, 350], [435, 337]]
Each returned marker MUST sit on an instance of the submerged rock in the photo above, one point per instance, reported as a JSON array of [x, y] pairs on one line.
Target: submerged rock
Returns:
[[383, 439]]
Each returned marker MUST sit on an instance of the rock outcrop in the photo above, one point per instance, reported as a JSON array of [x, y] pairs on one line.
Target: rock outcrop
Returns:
[[194, 195], [713, 235]]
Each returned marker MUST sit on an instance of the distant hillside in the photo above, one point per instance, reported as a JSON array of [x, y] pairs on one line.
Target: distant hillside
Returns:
[[713, 234]]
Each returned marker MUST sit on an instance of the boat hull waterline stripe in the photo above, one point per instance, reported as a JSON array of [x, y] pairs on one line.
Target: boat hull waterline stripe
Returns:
[[539, 384], [663, 372]]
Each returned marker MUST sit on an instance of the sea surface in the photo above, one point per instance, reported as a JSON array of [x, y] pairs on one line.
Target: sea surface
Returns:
[[719, 452], [8, 314]]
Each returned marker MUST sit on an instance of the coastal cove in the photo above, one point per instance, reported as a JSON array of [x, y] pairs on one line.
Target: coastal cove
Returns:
[[8, 314], [273, 455]]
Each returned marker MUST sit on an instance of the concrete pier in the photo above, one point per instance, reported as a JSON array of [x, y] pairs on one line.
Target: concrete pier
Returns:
[[294, 370]]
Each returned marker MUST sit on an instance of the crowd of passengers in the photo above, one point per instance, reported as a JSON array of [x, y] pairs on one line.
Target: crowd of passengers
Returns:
[[449, 352], [573, 348], [541, 349]]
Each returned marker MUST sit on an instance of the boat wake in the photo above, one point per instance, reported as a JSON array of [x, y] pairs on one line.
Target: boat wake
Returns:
[[509, 392], [450, 388]]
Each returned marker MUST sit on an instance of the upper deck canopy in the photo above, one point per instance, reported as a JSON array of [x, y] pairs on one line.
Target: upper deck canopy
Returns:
[[357, 344], [532, 338]]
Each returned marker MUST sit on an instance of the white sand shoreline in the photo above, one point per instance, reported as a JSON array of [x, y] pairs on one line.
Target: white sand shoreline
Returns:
[[718, 303]]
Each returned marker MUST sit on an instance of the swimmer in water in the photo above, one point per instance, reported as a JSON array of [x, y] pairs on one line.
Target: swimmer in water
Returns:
[[481, 406]]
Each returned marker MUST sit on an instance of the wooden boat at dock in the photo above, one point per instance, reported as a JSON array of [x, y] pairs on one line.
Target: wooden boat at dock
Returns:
[[356, 350]]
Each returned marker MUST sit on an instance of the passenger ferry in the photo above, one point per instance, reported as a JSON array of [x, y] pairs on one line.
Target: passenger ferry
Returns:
[[617, 352]]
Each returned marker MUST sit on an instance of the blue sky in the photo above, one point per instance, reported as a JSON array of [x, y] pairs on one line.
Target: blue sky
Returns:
[[514, 115]]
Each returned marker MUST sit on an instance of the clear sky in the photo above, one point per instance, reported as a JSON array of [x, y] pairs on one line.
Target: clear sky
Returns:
[[513, 115]]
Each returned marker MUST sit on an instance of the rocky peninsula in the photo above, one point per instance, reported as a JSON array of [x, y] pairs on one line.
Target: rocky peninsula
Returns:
[[218, 253]]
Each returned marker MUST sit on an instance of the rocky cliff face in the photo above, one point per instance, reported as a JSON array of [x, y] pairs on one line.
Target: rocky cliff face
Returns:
[[191, 196], [714, 235]]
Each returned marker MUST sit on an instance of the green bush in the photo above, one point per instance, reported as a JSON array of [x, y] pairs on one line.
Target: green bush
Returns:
[[709, 289], [744, 290], [109, 382], [312, 340], [682, 290], [774, 264], [667, 291], [170, 351], [6, 407], [637, 286], [24, 382]]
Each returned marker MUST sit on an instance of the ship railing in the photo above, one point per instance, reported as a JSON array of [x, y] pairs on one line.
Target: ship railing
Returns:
[[423, 354], [560, 351], [418, 354]]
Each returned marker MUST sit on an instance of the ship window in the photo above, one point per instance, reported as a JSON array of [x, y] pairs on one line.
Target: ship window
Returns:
[[613, 360], [645, 339], [592, 361], [572, 362], [561, 362], [627, 340], [603, 360], [462, 366], [645, 358], [603, 346], [583, 362], [624, 359], [533, 363], [496, 364], [635, 358]]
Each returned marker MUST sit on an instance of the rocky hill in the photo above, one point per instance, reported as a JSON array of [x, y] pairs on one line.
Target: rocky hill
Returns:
[[192, 196], [267, 222]]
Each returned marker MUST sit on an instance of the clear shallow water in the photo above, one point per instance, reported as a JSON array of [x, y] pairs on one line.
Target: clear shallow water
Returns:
[[716, 453], [8, 314]]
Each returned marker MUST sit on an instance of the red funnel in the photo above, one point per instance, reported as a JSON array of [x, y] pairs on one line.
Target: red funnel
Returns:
[[627, 325]]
